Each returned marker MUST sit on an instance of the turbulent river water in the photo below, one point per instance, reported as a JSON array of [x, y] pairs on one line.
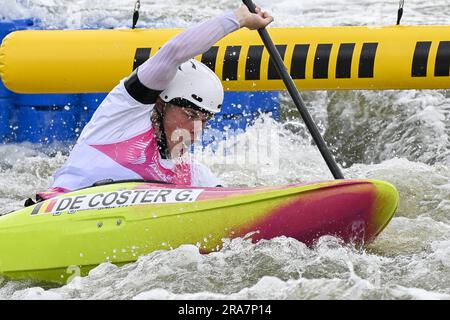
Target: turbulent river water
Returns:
[[398, 136]]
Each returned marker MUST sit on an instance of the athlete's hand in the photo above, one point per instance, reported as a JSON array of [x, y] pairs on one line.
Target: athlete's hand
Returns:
[[252, 21]]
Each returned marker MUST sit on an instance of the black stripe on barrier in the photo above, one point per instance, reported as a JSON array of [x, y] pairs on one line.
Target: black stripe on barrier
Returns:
[[272, 73], [142, 55], [367, 60], [442, 66], [37, 208], [298, 64], [230, 63], [420, 59], [209, 58], [253, 63], [321, 61], [344, 61]]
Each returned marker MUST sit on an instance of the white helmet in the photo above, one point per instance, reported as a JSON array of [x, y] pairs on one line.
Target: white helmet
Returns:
[[195, 86]]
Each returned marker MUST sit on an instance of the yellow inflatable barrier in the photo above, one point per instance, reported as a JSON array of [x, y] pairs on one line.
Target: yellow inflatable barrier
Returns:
[[82, 61]]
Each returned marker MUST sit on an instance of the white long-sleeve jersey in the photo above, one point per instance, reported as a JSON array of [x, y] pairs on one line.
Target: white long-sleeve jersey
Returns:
[[119, 142]]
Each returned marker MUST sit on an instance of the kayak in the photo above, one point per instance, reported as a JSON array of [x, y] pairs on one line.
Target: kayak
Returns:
[[118, 222]]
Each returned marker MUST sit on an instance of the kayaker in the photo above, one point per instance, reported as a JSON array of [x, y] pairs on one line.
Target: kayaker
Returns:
[[143, 128]]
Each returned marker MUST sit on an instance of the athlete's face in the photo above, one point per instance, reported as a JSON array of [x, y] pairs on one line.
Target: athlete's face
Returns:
[[182, 127]]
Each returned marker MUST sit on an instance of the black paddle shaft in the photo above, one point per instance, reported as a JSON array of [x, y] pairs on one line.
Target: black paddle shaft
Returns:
[[292, 89]]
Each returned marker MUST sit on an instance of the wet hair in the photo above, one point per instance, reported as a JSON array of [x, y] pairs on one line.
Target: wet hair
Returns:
[[158, 118]]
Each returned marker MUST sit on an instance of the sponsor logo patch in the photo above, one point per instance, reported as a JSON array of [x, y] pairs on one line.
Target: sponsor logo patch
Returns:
[[116, 199]]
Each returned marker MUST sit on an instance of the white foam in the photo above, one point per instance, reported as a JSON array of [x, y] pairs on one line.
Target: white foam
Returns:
[[179, 13], [397, 136]]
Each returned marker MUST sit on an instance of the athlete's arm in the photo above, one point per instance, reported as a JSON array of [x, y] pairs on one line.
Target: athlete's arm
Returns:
[[157, 72]]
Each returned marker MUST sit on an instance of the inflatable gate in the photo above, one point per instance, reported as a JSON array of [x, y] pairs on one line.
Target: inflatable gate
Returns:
[[400, 57], [93, 61]]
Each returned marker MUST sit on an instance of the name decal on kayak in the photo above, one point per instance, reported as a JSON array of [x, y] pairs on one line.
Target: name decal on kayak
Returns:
[[116, 199]]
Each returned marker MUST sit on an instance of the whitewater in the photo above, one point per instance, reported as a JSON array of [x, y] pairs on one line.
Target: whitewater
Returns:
[[400, 136]]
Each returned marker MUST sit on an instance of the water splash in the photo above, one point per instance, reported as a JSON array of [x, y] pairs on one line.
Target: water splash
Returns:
[[396, 136]]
